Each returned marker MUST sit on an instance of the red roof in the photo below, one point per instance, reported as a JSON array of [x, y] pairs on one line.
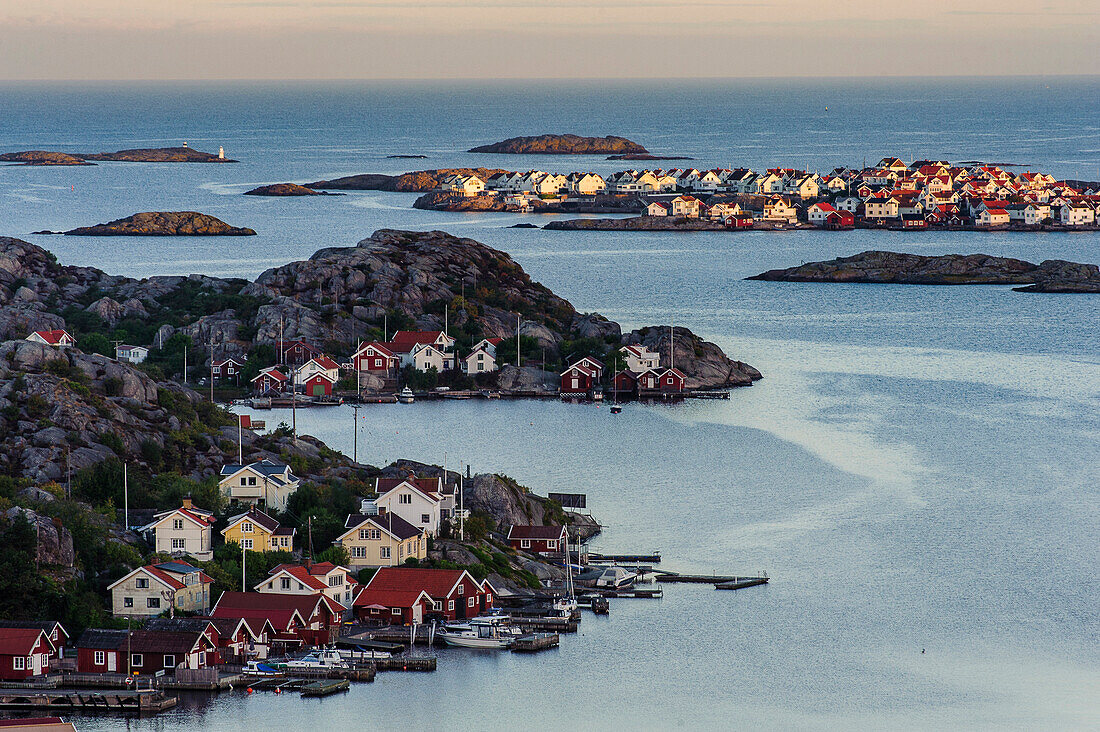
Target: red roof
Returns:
[[53, 337], [376, 346], [271, 372], [19, 641], [302, 575], [326, 363], [404, 340], [274, 606], [436, 582]]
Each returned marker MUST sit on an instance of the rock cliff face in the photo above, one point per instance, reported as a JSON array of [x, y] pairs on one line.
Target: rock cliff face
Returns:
[[55, 542], [949, 269], [164, 223], [562, 145], [445, 201], [704, 364], [286, 189]]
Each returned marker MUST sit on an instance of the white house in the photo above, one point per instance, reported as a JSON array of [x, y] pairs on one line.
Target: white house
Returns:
[[1076, 215], [657, 208], [407, 343], [152, 589], [992, 217], [818, 212], [639, 359], [850, 204], [1030, 214], [317, 365], [133, 354], [56, 338], [417, 500], [185, 530], [483, 357], [310, 579], [465, 185], [778, 209], [685, 206], [586, 184], [264, 484]]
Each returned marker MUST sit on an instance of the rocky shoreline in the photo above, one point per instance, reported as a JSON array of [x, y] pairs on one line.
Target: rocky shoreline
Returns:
[[160, 223], [562, 145], [879, 267], [447, 201], [418, 181]]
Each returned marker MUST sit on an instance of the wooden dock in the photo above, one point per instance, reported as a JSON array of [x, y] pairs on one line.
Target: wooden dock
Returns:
[[708, 579], [706, 395], [535, 642], [137, 702], [741, 583], [325, 688], [651, 594], [555, 625], [402, 663], [595, 558]]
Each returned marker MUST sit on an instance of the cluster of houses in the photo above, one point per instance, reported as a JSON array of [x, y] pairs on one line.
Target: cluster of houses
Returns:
[[924, 193], [642, 375]]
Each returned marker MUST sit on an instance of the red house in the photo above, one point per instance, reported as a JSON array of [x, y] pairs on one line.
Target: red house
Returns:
[[578, 379], [295, 353], [404, 594], [24, 652], [740, 220], [538, 539], [320, 384], [375, 357], [228, 369], [662, 380], [101, 650], [59, 637], [837, 220], [625, 382], [268, 380], [311, 620]]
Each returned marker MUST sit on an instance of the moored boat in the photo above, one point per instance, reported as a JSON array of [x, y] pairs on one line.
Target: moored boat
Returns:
[[487, 633], [405, 396]]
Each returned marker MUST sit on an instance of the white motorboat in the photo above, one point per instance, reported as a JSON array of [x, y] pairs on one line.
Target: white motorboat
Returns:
[[616, 577], [488, 632], [405, 396], [320, 660], [256, 668]]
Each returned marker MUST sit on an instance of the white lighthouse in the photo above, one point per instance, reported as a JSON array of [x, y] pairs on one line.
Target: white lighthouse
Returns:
[[221, 153]]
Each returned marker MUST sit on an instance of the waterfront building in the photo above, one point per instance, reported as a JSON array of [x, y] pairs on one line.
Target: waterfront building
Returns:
[[269, 380], [309, 579], [143, 651], [311, 620], [538, 539], [482, 357], [55, 631], [24, 653], [403, 595], [638, 358]]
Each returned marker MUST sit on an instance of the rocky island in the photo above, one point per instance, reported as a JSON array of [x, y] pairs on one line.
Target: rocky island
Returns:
[[162, 223], [420, 181], [182, 154], [604, 203], [563, 145], [287, 189], [338, 297], [949, 269]]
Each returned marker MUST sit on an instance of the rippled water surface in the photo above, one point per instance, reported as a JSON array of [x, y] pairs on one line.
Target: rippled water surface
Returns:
[[917, 471]]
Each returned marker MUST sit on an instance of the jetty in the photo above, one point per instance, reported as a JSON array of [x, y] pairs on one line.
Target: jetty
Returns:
[[741, 583], [713, 579], [535, 642], [595, 558], [325, 688], [146, 701]]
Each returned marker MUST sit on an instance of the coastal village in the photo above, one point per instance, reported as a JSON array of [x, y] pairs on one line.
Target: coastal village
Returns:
[[892, 194]]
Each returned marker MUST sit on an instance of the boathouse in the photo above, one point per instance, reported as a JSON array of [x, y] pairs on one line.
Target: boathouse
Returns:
[[24, 652], [539, 539], [444, 594]]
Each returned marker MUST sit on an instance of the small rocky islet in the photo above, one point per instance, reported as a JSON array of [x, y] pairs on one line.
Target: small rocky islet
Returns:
[[287, 190], [563, 145], [882, 267], [160, 223]]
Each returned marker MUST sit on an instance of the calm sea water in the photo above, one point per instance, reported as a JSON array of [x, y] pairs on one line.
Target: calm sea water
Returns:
[[917, 471]]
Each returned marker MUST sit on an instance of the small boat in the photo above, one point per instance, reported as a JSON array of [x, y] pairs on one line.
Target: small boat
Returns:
[[255, 668], [321, 660], [405, 396], [488, 633], [616, 577], [616, 409]]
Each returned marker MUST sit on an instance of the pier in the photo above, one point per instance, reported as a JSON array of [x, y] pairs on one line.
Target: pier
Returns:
[[535, 642], [325, 688], [741, 583], [139, 702], [596, 558], [714, 579]]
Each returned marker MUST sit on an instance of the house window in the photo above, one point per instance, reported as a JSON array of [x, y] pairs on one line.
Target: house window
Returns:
[[524, 543], [178, 543], [169, 661], [252, 481], [127, 602], [335, 581], [246, 543], [384, 552], [358, 552], [488, 599], [274, 542], [470, 601], [462, 589], [396, 611], [285, 584], [18, 663], [437, 605], [100, 658], [246, 527], [363, 534], [244, 481], [450, 604], [152, 602], [551, 544], [141, 583], [202, 658], [137, 660], [177, 524], [425, 518], [405, 498]]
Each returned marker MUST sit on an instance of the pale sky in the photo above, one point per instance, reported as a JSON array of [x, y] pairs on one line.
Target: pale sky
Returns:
[[425, 39]]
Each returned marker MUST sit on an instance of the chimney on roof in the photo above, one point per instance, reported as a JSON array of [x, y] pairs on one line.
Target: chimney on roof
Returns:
[[187, 502]]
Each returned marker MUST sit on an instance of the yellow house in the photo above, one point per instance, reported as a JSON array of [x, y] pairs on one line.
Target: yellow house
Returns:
[[256, 531], [384, 540]]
